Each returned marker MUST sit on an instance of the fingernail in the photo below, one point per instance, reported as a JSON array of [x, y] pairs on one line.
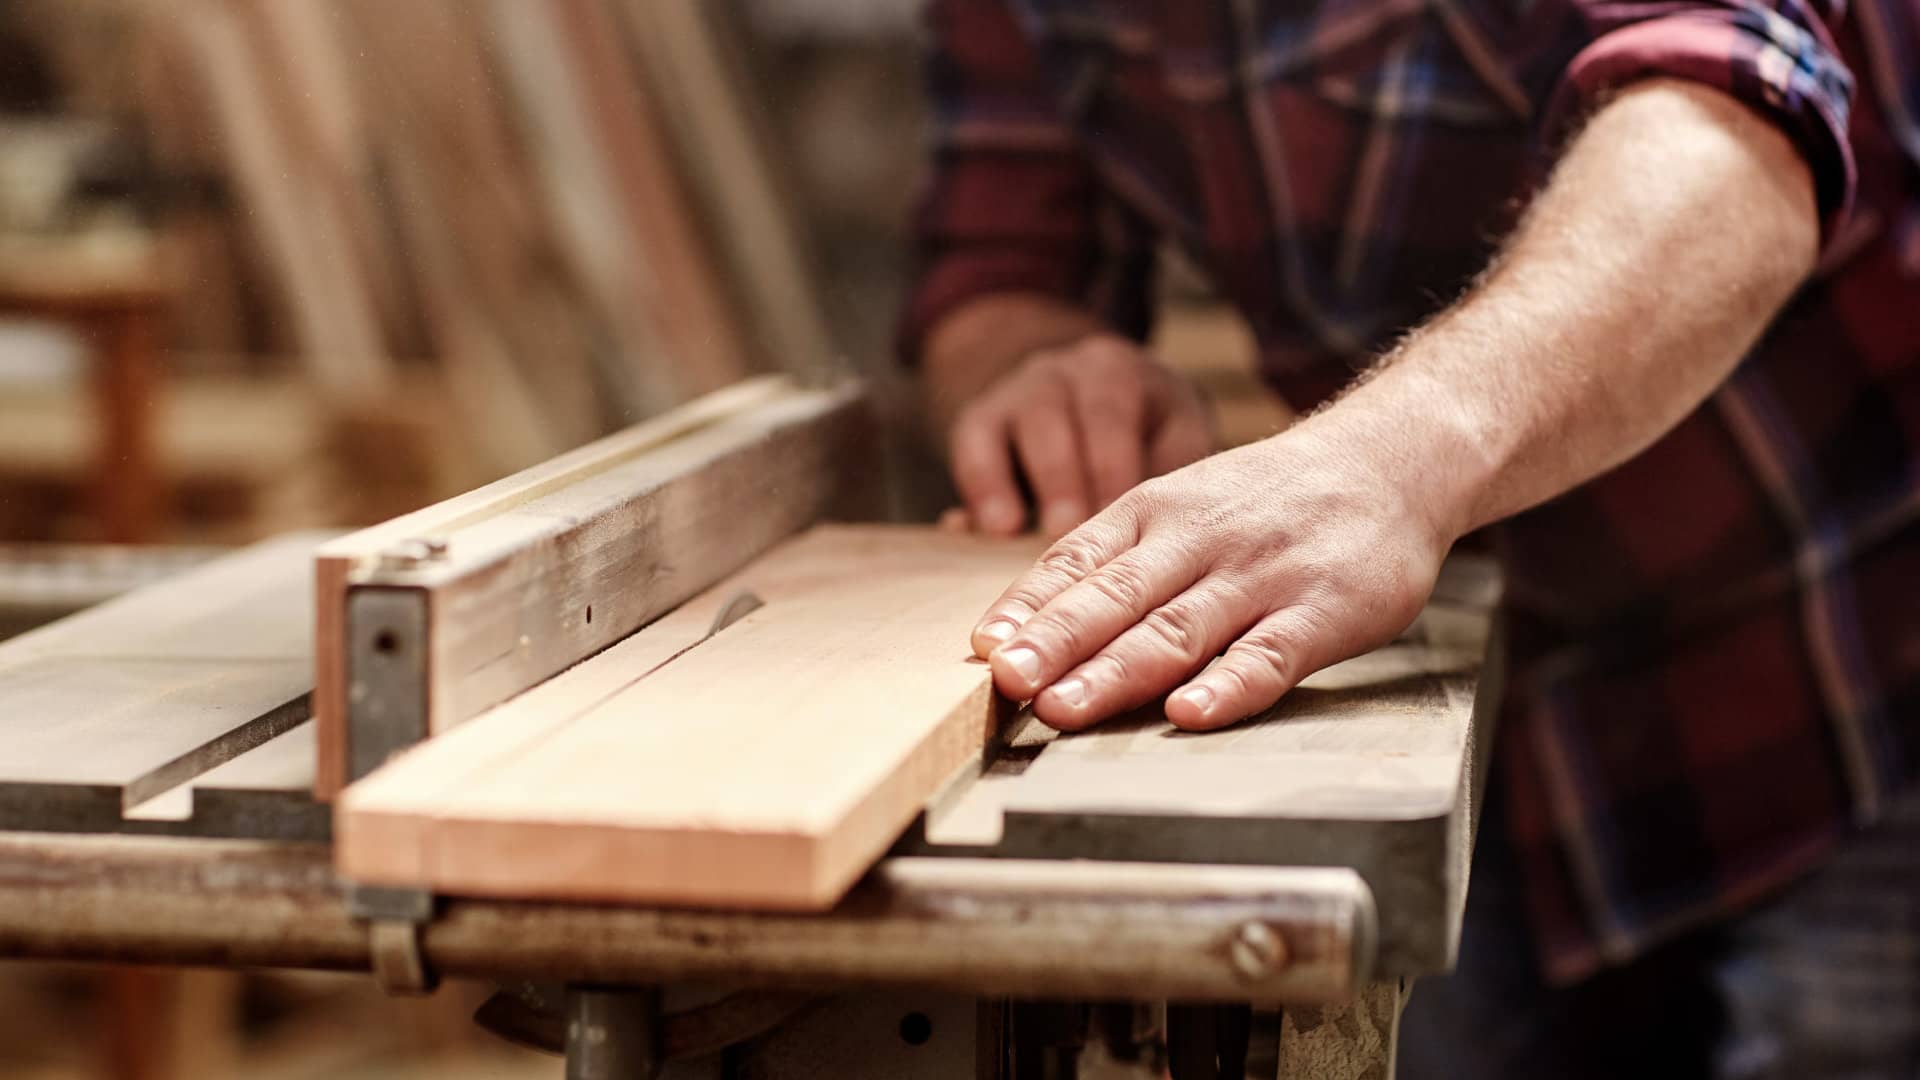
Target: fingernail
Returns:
[[998, 631], [1070, 691], [1024, 662], [1199, 697]]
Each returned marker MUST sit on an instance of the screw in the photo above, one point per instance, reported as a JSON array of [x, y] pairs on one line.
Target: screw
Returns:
[[410, 554], [1256, 951]]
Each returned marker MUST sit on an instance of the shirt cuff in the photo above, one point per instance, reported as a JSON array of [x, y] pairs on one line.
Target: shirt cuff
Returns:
[[1783, 70]]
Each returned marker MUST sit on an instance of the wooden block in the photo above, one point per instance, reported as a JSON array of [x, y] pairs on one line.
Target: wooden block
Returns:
[[767, 766], [555, 563]]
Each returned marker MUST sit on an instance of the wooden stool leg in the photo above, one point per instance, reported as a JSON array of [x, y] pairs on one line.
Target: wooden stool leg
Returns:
[[126, 381], [168, 1024], [1354, 1041]]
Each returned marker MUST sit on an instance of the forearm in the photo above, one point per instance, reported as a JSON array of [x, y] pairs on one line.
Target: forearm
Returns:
[[983, 339], [1673, 229]]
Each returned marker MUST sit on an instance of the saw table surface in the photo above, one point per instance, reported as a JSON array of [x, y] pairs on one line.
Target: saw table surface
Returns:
[[1347, 812], [167, 758], [107, 716], [770, 764]]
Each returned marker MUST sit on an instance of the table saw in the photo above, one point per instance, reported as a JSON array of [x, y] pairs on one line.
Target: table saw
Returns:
[[1250, 902]]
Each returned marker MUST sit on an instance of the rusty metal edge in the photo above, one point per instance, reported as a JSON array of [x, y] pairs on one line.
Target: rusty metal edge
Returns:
[[987, 927]]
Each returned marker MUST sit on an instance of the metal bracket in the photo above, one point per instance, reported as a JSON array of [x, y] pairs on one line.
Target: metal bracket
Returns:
[[386, 674], [398, 965], [395, 919], [387, 712]]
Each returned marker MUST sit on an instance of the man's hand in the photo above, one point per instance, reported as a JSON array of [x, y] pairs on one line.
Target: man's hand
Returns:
[[1605, 321], [1289, 555], [1081, 423]]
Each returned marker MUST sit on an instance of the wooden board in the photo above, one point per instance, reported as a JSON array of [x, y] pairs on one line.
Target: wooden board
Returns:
[[766, 766], [118, 705], [558, 562]]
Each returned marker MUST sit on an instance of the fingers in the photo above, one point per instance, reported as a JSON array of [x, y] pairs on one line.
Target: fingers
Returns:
[[955, 519], [1047, 437], [1083, 425], [1112, 421], [1070, 559], [983, 472], [1255, 672], [1171, 643], [1082, 618], [1184, 433]]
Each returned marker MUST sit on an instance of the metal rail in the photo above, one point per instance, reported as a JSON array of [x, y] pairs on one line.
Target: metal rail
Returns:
[[985, 927]]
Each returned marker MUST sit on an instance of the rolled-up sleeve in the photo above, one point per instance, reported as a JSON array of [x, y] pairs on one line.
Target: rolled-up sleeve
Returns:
[[1778, 57], [1011, 203]]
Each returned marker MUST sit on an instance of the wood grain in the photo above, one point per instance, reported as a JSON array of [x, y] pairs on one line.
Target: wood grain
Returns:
[[553, 564], [765, 767], [1374, 764], [123, 692]]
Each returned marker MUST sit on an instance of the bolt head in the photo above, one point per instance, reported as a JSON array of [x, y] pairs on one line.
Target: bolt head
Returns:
[[413, 553], [1256, 950]]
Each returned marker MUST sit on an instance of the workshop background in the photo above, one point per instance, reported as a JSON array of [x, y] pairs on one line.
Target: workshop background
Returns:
[[272, 264]]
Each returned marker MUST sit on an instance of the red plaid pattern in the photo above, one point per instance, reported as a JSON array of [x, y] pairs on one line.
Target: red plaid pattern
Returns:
[[1716, 645]]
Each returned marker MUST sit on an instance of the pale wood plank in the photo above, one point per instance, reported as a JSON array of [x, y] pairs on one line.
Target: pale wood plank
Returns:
[[765, 767]]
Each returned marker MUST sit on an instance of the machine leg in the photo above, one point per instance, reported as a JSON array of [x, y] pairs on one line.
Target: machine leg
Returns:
[[1354, 1041], [1208, 1042], [613, 1033], [1044, 1039]]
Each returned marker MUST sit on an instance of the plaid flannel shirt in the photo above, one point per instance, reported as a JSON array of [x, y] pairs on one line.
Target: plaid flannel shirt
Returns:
[[1716, 647]]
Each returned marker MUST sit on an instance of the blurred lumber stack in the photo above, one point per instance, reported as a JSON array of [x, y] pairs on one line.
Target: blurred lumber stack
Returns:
[[236, 457], [567, 209]]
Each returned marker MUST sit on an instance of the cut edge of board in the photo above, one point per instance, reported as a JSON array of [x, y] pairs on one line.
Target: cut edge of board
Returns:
[[612, 861]]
